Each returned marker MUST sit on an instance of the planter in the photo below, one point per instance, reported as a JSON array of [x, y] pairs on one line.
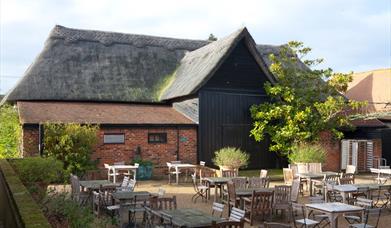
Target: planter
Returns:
[[144, 172]]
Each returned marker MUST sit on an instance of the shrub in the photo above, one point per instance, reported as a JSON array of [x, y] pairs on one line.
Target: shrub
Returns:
[[39, 169], [307, 153], [10, 131], [231, 157], [61, 211], [72, 144]]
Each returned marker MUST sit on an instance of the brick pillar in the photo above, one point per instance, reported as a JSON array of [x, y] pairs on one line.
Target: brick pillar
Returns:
[[333, 151]]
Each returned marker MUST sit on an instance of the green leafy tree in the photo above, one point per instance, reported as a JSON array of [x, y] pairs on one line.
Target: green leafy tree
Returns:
[[304, 101], [71, 143], [10, 132]]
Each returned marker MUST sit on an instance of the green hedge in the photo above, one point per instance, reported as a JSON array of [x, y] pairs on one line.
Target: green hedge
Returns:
[[29, 211]]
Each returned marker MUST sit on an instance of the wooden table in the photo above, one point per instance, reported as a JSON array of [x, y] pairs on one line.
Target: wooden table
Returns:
[[91, 185], [191, 217], [333, 210], [345, 189], [310, 176], [178, 166], [218, 182], [129, 168]]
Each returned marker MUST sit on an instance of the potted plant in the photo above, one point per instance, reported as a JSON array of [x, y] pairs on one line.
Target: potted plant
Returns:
[[144, 171], [230, 158]]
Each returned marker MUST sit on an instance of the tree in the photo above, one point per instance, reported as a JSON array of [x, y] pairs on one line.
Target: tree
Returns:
[[71, 143], [303, 102], [212, 37], [10, 132]]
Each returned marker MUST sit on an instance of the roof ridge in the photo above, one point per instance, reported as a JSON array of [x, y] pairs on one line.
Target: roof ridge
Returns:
[[108, 38]]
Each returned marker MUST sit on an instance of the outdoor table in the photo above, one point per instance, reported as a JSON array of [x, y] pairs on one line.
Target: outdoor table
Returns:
[[333, 210], [218, 182], [115, 168], [191, 217], [179, 166], [310, 176], [92, 185], [345, 189]]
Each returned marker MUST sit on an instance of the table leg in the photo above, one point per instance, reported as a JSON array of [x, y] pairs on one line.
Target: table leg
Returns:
[[134, 174], [114, 176], [309, 180], [177, 174], [333, 220], [215, 192]]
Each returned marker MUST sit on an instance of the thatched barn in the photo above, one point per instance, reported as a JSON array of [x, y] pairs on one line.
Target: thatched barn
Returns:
[[165, 98]]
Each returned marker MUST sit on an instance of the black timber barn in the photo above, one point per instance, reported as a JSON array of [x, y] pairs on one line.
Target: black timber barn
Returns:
[[213, 84]]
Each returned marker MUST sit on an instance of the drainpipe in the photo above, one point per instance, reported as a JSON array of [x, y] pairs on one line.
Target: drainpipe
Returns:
[[177, 143], [40, 142]]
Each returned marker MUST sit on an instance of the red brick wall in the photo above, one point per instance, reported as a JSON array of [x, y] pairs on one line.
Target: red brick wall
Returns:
[[30, 141], [159, 154], [333, 152]]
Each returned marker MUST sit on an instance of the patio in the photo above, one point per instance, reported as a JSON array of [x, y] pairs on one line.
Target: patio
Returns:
[[184, 192]]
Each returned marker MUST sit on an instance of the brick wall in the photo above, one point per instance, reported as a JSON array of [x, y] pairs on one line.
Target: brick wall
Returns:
[[30, 141], [333, 152], [158, 153]]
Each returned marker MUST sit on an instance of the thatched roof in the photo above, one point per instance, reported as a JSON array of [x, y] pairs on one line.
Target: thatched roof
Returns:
[[86, 65]]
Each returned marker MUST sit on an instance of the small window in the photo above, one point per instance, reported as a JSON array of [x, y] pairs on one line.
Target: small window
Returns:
[[157, 137], [114, 139]]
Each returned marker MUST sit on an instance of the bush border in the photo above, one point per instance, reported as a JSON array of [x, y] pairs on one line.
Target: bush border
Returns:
[[30, 214]]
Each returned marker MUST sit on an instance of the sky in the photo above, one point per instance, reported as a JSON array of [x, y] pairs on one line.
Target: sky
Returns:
[[351, 35]]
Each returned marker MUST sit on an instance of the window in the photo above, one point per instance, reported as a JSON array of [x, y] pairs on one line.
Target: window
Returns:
[[118, 138], [157, 137]]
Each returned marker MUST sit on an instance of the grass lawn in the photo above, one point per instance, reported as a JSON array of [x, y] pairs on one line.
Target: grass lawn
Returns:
[[275, 174]]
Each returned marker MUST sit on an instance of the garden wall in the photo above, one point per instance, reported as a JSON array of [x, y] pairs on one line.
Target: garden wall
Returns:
[[17, 208]]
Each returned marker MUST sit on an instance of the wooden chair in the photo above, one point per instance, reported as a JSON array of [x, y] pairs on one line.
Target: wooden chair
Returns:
[[263, 173], [260, 203], [129, 187], [228, 173], [315, 167], [288, 175], [356, 217], [201, 190], [258, 182], [302, 168], [228, 224], [372, 215], [165, 203], [346, 178], [233, 200], [217, 208], [202, 163], [107, 201], [76, 194], [295, 190], [320, 184], [240, 182], [299, 217], [140, 202], [351, 169], [282, 198], [236, 214], [96, 204]]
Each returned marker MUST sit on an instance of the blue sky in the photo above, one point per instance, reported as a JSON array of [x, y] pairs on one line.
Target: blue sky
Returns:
[[349, 34]]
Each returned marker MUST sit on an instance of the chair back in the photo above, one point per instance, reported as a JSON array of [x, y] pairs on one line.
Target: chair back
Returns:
[[217, 208], [231, 188], [236, 214], [228, 173], [262, 202], [228, 224], [96, 204], [365, 203], [294, 169], [105, 194], [315, 167], [282, 194], [346, 180], [295, 190], [165, 203], [125, 181], [263, 173], [302, 168], [136, 165], [131, 185], [258, 182], [119, 163], [350, 169], [331, 179], [288, 175], [75, 187], [240, 182], [107, 166], [202, 163]]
